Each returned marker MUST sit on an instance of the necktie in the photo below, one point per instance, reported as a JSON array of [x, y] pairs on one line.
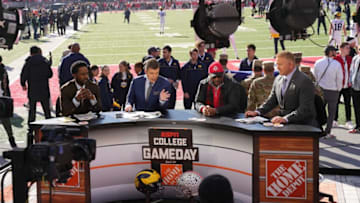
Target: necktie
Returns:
[[148, 91], [283, 88]]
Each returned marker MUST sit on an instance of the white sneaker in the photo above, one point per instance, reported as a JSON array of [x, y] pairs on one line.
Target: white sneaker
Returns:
[[349, 125], [329, 136], [335, 124]]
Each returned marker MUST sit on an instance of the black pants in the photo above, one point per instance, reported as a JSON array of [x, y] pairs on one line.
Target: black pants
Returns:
[[172, 99], [189, 102], [276, 40], [356, 102], [75, 25], [7, 125], [321, 21], [127, 19], [32, 109], [52, 27], [346, 93]]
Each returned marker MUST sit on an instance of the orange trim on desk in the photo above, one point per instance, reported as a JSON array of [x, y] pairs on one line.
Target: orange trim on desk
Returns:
[[148, 162]]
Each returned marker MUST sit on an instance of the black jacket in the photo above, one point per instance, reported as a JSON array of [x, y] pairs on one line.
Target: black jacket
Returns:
[[232, 93], [244, 65], [121, 87], [36, 72], [4, 81]]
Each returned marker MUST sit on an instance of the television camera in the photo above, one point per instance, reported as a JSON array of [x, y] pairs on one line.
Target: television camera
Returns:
[[51, 159]]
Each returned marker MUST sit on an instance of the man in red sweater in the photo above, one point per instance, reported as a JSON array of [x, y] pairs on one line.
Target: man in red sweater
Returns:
[[345, 60]]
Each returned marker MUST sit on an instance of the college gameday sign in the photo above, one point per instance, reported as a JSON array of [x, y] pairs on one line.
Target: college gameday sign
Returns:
[[171, 152], [286, 179]]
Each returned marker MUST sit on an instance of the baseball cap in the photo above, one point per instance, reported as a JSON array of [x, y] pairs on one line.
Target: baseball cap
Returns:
[[216, 69]]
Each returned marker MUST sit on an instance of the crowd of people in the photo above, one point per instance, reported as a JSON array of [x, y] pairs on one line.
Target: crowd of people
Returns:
[[208, 85], [42, 22]]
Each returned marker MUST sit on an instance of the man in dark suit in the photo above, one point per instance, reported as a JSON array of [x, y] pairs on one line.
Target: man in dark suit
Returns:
[[220, 95], [293, 91], [149, 92], [66, 62], [79, 96], [34, 78]]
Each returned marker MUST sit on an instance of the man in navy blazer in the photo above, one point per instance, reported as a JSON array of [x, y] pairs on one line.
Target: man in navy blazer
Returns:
[[149, 92]]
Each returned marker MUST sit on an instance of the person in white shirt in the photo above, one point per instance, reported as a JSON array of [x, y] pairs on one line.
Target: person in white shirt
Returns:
[[337, 26], [354, 29], [328, 75], [162, 15]]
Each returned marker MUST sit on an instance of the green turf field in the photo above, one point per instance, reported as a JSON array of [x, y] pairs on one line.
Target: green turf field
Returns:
[[111, 40]]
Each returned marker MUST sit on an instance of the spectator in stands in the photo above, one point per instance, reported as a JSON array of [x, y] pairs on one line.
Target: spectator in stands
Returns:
[[79, 95], [257, 72], [216, 189], [204, 58], [65, 64], [191, 75], [139, 68], [34, 79], [345, 60], [246, 63], [5, 91], [149, 92], [94, 72], [121, 83], [355, 85], [105, 89], [328, 74], [170, 69], [219, 95]]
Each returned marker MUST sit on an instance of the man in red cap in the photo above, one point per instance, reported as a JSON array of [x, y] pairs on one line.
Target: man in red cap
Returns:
[[219, 95]]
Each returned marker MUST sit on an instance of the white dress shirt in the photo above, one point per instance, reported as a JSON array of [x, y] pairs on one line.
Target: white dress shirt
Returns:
[[76, 102], [333, 78]]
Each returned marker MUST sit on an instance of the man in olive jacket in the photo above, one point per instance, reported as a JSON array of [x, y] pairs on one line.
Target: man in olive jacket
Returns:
[[220, 95]]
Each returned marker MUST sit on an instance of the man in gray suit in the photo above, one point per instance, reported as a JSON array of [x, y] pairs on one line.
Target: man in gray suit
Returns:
[[293, 91]]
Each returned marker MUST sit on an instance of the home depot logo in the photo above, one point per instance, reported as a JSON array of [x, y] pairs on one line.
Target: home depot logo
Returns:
[[170, 173], [286, 179]]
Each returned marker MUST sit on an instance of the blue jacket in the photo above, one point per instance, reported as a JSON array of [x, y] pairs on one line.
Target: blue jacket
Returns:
[[136, 95], [206, 60], [171, 72], [191, 75], [106, 94], [244, 65], [65, 65]]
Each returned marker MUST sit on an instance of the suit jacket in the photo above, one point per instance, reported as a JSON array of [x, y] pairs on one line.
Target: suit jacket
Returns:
[[297, 104], [36, 72], [68, 92], [136, 95], [65, 66], [233, 97]]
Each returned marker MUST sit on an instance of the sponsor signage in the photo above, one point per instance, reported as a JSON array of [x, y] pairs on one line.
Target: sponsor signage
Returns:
[[286, 179], [171, 152]]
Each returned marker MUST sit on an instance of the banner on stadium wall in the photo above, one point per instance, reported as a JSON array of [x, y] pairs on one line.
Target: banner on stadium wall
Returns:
[[171, 152], [286, 179]]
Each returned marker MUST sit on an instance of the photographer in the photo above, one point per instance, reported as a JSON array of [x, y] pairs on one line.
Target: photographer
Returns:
[[5, 91]]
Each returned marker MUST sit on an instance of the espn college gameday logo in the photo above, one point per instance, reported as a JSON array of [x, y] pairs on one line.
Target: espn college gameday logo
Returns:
[[286, 179]]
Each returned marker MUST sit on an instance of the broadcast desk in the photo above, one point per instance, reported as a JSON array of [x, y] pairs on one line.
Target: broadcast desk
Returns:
[[263, 164]]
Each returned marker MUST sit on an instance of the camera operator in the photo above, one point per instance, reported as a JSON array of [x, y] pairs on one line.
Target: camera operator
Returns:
[[5, 91]]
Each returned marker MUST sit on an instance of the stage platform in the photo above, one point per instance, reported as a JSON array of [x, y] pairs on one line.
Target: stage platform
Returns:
[[340, 155]]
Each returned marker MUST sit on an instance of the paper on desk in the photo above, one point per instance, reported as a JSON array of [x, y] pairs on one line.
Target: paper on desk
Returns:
[[251, 120], [85, 117], [139, 115]]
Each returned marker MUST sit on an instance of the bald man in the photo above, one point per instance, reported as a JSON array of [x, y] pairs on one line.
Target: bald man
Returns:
[[64, 68], [293, 91]]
